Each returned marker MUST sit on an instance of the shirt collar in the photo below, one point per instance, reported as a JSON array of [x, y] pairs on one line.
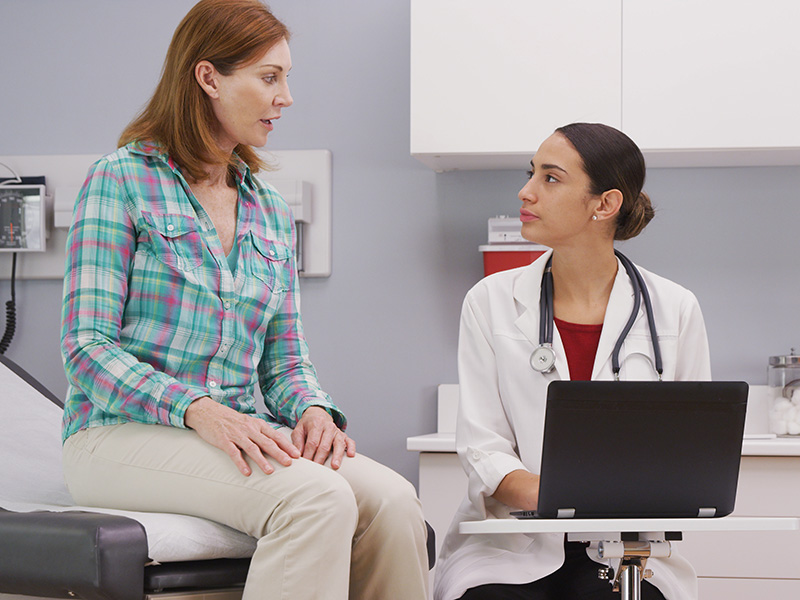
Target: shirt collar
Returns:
[[150, 148]]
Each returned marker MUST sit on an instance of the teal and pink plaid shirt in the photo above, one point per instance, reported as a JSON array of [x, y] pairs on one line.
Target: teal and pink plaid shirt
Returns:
[[153, 317]]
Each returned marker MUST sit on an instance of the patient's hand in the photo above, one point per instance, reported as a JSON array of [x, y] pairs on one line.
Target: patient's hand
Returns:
[[236, 433], [317, 436]]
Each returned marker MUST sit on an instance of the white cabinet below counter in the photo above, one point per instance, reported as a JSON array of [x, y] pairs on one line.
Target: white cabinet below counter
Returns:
[[693, 82]]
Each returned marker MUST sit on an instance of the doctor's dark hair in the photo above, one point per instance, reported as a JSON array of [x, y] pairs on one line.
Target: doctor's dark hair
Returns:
[[227, 33], [613, 162]]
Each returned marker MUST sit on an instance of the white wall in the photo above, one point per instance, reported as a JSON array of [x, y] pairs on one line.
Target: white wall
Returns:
[[383, 327]]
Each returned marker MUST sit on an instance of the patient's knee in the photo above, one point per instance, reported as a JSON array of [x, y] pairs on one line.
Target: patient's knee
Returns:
[[335, 493], [327, 496], [395, 499]]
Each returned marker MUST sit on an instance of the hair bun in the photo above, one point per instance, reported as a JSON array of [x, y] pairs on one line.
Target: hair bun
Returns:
[[640, 214]]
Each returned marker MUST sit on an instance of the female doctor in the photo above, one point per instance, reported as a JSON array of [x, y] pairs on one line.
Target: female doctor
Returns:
[[584, 191]]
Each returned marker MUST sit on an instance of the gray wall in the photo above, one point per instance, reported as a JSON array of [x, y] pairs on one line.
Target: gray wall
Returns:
[[383, 327]]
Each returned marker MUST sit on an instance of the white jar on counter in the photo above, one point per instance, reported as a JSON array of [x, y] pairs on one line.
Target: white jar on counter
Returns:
[[783, 378]]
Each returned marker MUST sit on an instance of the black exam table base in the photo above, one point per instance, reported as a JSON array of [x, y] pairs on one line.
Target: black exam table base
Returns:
[[96, 556]]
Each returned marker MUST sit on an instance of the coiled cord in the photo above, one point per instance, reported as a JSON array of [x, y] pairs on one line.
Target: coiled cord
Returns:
[[11, 310]]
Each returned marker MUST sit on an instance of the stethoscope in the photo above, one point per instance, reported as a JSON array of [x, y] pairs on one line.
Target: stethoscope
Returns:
[[543, 358]]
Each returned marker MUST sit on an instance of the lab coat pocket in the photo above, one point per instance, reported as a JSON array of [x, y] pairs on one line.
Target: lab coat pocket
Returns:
[[637, 362], [174, 240], [637, 359]]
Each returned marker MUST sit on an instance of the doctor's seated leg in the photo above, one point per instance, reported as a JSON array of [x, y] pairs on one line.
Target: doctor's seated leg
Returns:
[[576, 580], [579, 579]]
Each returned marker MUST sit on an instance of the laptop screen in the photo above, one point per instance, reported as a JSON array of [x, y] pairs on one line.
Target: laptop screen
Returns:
[[616, 449]]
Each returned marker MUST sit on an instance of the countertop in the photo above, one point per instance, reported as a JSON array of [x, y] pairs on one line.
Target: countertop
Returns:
[[755, 442]]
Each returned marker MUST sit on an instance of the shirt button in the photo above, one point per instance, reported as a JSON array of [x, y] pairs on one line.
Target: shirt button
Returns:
[[272, 252], [212, 384], [476, 455], [170, 227], [228, 305]]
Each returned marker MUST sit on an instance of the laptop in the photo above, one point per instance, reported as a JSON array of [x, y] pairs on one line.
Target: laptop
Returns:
[[640, 449]]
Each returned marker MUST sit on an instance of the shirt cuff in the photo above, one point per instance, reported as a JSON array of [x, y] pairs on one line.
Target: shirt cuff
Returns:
[[177, 416], [338, 416], [492, 467]]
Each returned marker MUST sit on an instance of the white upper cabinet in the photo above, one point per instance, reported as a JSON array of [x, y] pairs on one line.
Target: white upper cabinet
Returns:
[[693, 82], [718, 80], [491, 80]]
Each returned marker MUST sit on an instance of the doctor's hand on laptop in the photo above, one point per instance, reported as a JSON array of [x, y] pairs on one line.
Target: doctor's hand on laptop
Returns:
[[519, 489]]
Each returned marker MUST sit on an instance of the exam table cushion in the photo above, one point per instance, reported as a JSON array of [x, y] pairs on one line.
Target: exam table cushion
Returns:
[[89, 555], [32, 478]]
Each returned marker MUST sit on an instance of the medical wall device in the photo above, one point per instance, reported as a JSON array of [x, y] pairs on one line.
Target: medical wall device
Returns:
[[22, 218]]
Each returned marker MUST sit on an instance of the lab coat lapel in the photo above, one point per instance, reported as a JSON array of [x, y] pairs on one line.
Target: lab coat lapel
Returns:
[[527, 293], [620, 305]]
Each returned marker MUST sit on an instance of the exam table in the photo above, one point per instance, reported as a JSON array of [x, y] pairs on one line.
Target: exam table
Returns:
[[50, 547]]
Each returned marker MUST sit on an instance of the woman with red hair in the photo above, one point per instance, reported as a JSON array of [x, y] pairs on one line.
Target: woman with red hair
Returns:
[[180, 297]]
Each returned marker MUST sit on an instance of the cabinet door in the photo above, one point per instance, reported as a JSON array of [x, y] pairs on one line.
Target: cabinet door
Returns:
[[769, 486], [701, 74], [747, 589], [499, 77]]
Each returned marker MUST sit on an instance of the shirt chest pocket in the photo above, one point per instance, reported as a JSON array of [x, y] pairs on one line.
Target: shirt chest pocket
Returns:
[[271, 262], [174, 240]]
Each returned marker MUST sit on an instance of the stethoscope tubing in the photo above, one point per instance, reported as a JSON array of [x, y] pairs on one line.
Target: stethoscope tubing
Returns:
[[546, 319], [639, 289]]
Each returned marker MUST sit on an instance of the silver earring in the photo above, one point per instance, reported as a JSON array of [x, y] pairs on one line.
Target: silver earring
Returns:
[[594, 217]]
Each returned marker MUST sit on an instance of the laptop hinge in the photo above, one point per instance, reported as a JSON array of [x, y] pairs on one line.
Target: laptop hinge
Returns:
[[706, 512], [565, 513]]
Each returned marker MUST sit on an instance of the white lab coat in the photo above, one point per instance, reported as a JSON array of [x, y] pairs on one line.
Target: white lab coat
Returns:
[[502, 406]]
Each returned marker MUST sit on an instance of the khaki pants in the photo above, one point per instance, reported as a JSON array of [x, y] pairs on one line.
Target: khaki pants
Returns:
[[322, 534]]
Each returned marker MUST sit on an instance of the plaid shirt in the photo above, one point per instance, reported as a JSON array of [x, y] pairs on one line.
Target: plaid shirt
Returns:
[[153, 318]]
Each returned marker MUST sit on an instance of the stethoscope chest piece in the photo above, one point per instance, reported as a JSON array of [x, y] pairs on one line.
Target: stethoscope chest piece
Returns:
[[543, 358]]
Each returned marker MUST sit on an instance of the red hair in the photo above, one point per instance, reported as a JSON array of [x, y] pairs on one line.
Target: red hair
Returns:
[[227, 33]]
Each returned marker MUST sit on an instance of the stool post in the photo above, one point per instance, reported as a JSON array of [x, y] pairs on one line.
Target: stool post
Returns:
[[630, 581]]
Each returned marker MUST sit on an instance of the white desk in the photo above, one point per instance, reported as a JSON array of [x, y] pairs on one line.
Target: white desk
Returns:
[[629, 558], [617, 526]]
